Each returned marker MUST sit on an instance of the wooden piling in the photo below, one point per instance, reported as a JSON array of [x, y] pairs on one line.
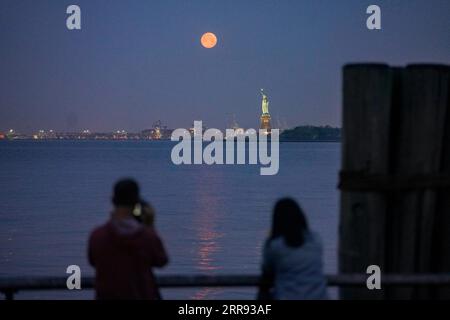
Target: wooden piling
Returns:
[[394, 211], [366, 116]]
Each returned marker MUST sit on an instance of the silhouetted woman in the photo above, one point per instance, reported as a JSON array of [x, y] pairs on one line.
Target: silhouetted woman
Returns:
[[292, 257]]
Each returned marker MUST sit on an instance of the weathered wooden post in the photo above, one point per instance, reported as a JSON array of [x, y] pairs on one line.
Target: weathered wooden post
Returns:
[[366, 118], [441, 247], [394, 179], [420, 121]]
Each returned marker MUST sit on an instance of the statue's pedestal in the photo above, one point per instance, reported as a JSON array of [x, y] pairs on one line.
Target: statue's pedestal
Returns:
[[265, 122]]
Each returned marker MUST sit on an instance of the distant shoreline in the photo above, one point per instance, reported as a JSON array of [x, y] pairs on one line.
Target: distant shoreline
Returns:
[[146, 140]]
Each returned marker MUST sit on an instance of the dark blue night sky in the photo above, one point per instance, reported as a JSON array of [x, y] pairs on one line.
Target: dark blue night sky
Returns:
[[135, 62]]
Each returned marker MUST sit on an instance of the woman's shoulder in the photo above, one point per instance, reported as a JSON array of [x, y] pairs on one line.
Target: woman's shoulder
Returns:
[[274, 243], [314, 236], [312, 239], [274, 246]]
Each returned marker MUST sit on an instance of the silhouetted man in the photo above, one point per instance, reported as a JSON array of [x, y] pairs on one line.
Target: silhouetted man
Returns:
[[123, 251]]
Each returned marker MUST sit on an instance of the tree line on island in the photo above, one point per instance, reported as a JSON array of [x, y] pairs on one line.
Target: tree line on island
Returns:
[[311, 133]]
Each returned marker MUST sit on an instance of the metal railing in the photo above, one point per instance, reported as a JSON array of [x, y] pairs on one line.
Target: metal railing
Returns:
[[10, 286]]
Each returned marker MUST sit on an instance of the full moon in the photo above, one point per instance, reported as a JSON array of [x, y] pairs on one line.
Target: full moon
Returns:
[[209, 40]]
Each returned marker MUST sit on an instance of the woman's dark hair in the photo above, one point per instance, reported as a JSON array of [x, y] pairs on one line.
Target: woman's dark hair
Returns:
[[289, 222], [126, 193]]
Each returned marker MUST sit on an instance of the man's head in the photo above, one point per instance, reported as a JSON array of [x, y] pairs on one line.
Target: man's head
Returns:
[[126, 193]]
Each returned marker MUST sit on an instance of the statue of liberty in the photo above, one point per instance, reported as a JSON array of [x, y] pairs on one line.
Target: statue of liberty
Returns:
[[265, 117], [265, 102]]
